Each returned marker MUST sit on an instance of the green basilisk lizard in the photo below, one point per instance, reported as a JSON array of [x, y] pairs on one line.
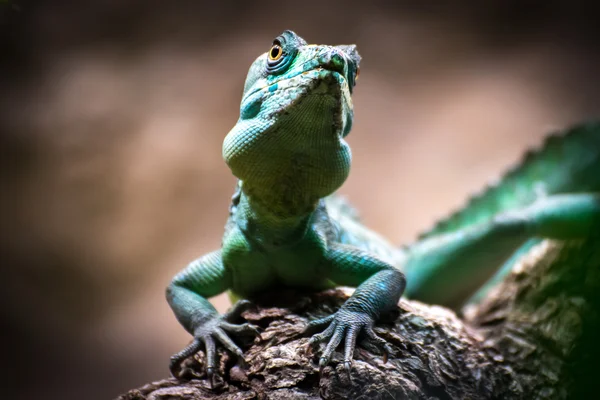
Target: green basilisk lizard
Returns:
[[286, 228]]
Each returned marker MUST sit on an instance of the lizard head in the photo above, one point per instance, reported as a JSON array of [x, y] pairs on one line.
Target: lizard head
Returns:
[[296, 110]]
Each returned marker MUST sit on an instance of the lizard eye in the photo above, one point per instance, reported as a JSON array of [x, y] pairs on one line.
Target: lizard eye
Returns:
[[281, 55], [275, 53]]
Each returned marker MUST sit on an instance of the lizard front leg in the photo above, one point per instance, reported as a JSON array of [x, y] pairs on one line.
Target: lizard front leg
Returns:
[[187, 295], [379, 287]]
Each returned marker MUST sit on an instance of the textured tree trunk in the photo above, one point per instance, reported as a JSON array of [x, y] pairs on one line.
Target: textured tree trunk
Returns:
[[533, 337]]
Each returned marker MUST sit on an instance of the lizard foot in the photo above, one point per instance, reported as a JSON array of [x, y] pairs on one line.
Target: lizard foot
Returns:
[[344, 324], [210, 332]]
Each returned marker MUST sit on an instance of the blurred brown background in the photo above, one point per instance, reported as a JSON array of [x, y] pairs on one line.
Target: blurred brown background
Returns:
[[112, 115]]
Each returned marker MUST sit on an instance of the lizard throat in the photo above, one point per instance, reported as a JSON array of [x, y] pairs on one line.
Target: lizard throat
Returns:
[[279, 203], [272, 221]]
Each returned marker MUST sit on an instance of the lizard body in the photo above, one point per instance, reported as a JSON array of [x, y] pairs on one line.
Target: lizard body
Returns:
[[285, 227]]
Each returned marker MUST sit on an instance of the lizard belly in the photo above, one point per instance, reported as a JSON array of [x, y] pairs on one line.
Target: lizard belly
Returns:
[[300, 265], [248, 265], [299, 268]]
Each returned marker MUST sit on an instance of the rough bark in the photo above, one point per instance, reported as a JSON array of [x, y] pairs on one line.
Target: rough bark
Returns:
[[533, 337]]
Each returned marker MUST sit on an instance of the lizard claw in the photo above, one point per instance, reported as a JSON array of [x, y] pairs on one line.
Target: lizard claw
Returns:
[[322, 364], [346, 326], [348, 367], [210, 374], [387, 350], [176, 359], [212, 332]]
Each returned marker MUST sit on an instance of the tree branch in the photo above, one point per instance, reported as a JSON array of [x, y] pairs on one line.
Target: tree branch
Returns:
[[531, 338]]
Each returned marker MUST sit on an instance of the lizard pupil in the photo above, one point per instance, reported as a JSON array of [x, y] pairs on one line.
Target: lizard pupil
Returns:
[[275, 52]]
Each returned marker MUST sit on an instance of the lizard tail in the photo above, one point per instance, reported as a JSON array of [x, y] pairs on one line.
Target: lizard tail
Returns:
[[568, 161]]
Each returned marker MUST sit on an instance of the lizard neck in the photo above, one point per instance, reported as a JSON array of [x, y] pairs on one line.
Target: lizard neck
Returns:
[[272, 219]]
